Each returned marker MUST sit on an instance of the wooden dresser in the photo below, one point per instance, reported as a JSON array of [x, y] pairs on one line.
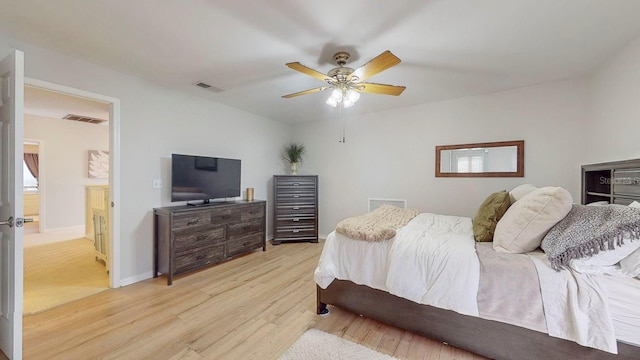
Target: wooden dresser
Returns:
[[187, 238], [295, 208], [614, 182]]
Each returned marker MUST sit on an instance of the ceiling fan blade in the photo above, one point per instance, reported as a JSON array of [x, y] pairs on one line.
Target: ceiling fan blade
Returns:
[[380, 89], [376, 65], [307, 70], [310, 91]]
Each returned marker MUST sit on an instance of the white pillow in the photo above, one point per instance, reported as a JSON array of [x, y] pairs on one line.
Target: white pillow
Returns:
[[635, 204], [631, 263], [604, 260], [528, 220], [598, 203], [519, 191]]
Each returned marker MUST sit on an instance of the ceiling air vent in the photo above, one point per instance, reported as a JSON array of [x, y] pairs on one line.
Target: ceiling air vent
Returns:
[[85, 119], [208, 87]]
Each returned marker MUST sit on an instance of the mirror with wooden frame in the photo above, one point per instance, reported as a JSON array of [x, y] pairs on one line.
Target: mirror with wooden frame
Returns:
[[492, 159]]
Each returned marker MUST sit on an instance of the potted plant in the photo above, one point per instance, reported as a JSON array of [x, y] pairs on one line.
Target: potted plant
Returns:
[[292, 153]]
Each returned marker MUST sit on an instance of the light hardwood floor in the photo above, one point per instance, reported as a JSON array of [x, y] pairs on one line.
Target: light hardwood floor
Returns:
[[253, 307]]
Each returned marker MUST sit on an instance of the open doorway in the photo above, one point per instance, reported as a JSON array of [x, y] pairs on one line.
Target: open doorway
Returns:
[[30, 174], [64, 259]]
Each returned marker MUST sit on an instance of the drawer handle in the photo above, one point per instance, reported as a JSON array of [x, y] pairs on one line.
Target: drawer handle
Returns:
[[296, 184], [295, 231], [296, 219], [200, 257], [296, 208], [193, 222], [201, 237], [296, 196]]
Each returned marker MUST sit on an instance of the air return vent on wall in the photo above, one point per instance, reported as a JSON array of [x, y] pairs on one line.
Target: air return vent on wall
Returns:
[[86, 119], [376, 203]]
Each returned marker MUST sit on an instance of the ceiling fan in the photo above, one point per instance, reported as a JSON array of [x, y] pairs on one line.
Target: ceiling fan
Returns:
[[347, 83]]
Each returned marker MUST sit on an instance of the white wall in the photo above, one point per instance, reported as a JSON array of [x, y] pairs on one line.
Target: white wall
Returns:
[[614, 113], [154, 123], [64, 160], [392, 154]]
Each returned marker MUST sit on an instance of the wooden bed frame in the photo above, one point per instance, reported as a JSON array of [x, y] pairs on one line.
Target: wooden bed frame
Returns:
[[489, 338]]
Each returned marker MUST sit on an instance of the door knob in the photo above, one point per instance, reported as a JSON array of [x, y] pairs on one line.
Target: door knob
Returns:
[[18, 222]]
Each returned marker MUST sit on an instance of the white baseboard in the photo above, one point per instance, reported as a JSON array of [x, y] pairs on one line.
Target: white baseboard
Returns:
[[137, 278], [322, 236]]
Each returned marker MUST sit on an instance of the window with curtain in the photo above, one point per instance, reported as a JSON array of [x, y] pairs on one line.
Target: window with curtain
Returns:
[[30, 172]]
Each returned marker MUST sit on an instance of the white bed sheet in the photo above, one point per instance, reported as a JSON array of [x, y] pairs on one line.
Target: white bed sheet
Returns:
[[337, 262], [576, 306], [624, 301]]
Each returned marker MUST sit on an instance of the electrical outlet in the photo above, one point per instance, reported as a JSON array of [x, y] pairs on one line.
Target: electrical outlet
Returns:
[[157, 183]]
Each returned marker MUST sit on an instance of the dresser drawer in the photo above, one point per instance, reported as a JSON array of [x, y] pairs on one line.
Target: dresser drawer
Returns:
[[223, 216], [296, 199], [191, 220], [304, 210], [296, 233], [252, 213], [295, 181], [188, 239], [245, 243], [296, 222], [240, 229], [198, 257], [302, 189]]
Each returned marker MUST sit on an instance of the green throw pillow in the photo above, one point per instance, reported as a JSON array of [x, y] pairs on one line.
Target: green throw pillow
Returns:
[[488, 215]]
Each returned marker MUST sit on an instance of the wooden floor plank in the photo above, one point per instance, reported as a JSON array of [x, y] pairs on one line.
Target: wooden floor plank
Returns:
[[254, 306]]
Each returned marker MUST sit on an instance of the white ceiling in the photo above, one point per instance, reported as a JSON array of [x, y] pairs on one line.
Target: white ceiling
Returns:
[[449, 48]]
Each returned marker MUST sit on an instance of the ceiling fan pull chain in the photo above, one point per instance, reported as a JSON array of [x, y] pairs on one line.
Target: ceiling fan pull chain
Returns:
[[341, 123]]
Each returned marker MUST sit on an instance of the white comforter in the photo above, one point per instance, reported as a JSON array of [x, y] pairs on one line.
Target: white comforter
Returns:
[[438, 250]]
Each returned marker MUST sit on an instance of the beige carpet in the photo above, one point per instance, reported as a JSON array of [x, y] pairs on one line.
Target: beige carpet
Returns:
[[319, 345], [61, 272]]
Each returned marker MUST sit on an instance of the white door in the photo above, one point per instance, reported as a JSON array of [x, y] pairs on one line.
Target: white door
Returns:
[[11, 202]]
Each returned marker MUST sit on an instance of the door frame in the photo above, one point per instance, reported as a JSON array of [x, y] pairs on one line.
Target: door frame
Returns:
[[114, 164]]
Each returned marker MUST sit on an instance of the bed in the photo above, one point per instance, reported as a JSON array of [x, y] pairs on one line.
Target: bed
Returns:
[[363, 277]]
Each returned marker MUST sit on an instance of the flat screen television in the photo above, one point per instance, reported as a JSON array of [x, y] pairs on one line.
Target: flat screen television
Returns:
[[204, 178]]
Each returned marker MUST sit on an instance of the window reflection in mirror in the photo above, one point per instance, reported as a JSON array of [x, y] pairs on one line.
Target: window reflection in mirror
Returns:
[[498, 159]]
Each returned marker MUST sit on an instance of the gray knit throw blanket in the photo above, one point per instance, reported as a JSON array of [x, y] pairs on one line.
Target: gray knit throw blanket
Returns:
[[587, 230]]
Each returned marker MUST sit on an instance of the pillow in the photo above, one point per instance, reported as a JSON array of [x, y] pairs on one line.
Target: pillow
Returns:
[[600, 262], [598, 203], [526, 222], [519, 191], [635, 204], [488, 215]]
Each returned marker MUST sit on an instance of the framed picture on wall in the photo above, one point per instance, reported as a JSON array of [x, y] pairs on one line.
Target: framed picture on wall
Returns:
[[98, 164]]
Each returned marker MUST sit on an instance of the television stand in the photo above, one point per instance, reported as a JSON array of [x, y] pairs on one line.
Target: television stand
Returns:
[[187, 238]]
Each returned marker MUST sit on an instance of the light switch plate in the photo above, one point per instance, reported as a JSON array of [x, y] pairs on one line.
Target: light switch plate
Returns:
[[157, 183]]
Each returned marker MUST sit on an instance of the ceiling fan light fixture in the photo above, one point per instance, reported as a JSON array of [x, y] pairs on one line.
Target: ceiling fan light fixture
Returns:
[[351, 96], [331, 101], [334, 98]]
